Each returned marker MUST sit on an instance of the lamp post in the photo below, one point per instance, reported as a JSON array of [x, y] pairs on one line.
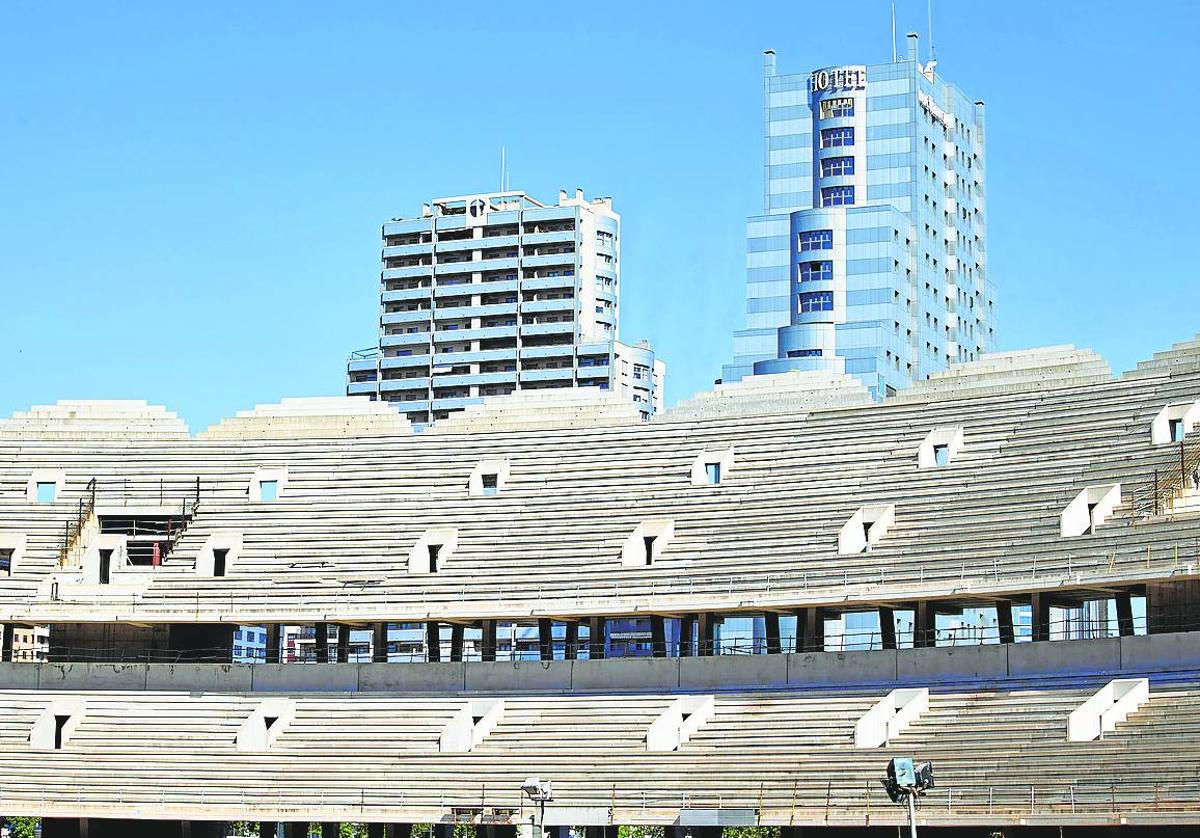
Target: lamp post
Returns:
[[539, 791]]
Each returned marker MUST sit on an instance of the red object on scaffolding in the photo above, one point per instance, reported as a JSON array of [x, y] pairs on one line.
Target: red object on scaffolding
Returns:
[[157, 560]]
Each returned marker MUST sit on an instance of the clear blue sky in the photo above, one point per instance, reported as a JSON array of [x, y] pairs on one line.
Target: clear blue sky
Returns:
[[191, 194]]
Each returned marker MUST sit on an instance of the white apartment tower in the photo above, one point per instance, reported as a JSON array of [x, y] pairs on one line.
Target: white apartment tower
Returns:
[[487, 294]]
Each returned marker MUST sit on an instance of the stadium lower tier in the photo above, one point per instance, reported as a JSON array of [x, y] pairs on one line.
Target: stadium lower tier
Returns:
[[1083, 750]]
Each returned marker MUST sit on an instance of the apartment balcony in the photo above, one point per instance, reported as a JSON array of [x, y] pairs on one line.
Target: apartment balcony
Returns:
[[549, 259], [361, 364], [418, 316], [480, 356], [561, 374], [556, 237], [492, 310], [404, 361], [456, 403], [562, 351], [359, 388], [529, 329], [475, 379], [411, 225], [395, 385], [536, 306], [401, 295], [591, 374], [397, 250], [416, 271], [483, 333], [546, 282], [413, 339]]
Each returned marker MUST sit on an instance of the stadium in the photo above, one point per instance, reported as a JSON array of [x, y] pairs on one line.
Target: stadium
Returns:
[[548, 613]]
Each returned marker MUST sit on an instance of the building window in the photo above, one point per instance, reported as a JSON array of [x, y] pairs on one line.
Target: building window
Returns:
[[941, 455], [490, 484], [1176, 428], [268, 490], [805, 353], [816, 240], [712, 471], [837, 107], [434, 551], [816, 301], [835, 137], [837, 166], [6, 557], [837, 196], [47, 492], [816, 271]]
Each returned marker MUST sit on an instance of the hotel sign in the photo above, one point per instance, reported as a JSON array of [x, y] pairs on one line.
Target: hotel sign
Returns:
[[838, 78]]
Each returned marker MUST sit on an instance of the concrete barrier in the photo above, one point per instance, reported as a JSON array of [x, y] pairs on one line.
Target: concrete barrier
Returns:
[[300, 677], [199, 676], [823, 668], [949, 663], [616, 674], [526, 676], [20, 676], [1093, 657], [733, 671], [1161, 651], [413, 677], [92, 676]]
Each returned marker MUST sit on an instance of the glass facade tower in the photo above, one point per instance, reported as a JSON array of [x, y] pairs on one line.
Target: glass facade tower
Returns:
[[870, 255]]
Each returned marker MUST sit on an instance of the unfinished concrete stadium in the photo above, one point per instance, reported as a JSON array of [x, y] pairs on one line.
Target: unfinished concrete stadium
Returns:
[[732, 615]]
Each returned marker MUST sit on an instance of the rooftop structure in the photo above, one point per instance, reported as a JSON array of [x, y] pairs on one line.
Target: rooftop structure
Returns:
[[870, 255], [495, 293], [996, 572]]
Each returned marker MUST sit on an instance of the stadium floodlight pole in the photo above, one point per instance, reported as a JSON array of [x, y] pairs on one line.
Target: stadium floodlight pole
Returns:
[[908, 782], [539, 791]]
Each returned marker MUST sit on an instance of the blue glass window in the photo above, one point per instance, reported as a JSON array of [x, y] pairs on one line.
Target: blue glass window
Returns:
[[805, 353], [837, 166], [837, 196], [47, 492], [713, 473], [816, 240], [816, 301], [831, 137], [268, 489], [816, 271], [837, 107]]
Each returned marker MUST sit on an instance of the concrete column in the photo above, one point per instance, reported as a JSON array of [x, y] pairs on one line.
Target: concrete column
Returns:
[[887, 627], [687, 627], [6, 645], [343, 643], [811, 622], [456, 642], [658, 637], [596, 638], [433, 641], [1004, 621], [706, 636], [924, 622], [379, 643], [487, 644], [321, 641], [546, 639], [1124, 602], [774, 642], [272, 655], [572, 651], [1039, 605]]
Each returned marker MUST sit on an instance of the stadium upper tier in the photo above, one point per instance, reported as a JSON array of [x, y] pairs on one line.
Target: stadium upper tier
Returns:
[[1017, 473]]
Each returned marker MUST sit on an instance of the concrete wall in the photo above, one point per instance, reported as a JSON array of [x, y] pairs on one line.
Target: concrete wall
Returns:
[[1126, 655]]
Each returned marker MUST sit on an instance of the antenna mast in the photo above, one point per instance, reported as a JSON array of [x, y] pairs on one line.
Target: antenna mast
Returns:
[[932, 54], [502, 165], [893, 33]]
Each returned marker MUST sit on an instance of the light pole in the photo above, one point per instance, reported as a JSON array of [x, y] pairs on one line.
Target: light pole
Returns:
[[907, 782], [539, 791]]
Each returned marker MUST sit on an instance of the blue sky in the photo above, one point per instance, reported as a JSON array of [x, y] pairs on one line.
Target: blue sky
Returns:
[[191, 194]]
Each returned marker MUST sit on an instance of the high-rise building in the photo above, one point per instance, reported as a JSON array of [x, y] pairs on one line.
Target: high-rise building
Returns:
[[870, 255], [487, 294]]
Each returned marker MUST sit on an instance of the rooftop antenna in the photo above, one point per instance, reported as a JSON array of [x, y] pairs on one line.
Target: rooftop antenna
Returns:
[[929, 7], [893, 33], [502, 168]]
